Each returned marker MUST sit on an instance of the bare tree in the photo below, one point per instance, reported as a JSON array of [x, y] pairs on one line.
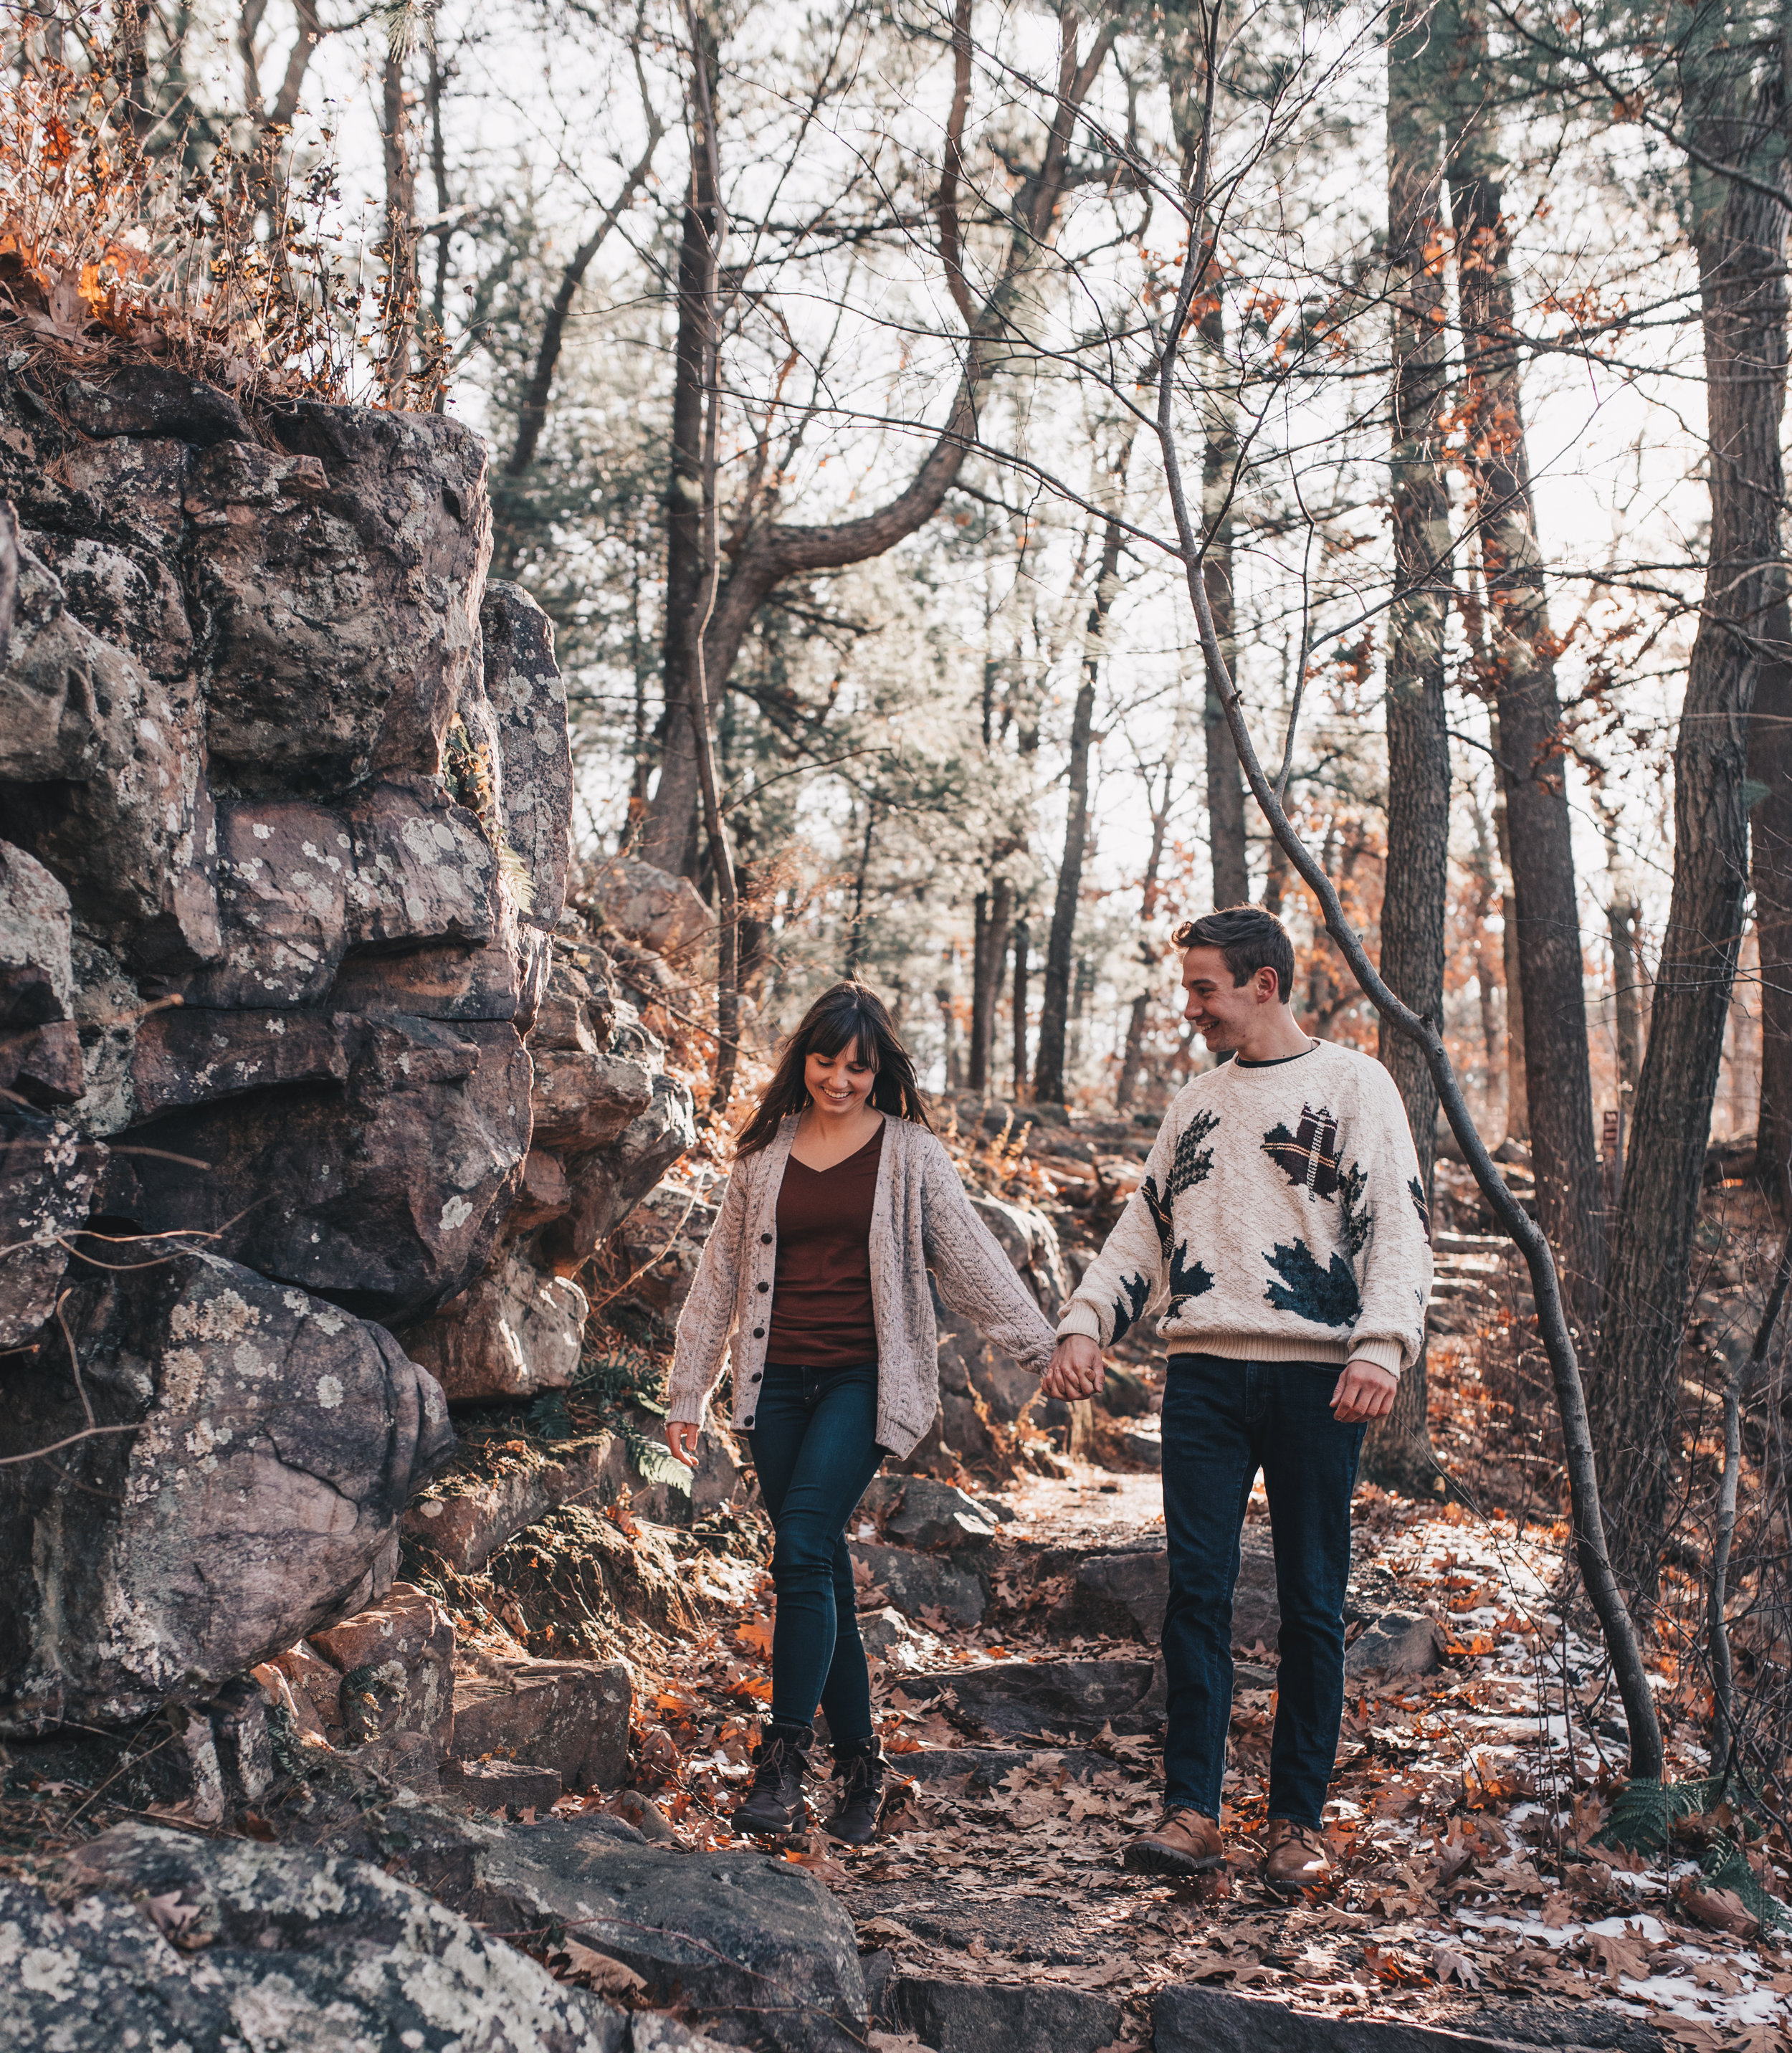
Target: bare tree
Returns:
[[1521, 652], [1418, 761], [1738, 232], [771, 550]]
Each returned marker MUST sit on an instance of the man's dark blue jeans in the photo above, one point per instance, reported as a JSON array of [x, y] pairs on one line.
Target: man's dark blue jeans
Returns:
[[1222, 1421], [814, 1443]]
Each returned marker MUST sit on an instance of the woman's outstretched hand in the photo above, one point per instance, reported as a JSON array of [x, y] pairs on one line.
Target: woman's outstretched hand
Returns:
[[681, 1437], [1076, 1368]]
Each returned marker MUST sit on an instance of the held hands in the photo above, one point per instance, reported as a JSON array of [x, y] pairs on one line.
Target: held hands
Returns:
[[1076, 1368], [681, 1437], [1365, 1390]]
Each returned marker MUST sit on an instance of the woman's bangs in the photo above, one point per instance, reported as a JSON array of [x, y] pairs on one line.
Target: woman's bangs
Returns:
[[841, 1030]]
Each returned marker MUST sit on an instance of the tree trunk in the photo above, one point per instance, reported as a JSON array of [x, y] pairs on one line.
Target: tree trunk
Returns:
[[1054, 1006], [995, 914], [1622, 916], [1398, 1449], [1020, 1063], [1546, 929], [1739, 234], [1132, 1059], [1226, 783], [398, 313], [855, 940], [1769, 776]]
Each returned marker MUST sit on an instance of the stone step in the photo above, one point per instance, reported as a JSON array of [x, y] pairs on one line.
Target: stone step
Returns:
[[1026, 1699], [1190, 2019], [986, 1765], [747, 1941], [570, 1716], [973, 2017]]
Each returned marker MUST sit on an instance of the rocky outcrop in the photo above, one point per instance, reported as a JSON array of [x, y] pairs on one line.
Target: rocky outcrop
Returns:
[[153, 1938], [255, 1448], [289, 1000]]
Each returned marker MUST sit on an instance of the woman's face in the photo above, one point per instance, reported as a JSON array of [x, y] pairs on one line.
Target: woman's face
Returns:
[[838, 1084]]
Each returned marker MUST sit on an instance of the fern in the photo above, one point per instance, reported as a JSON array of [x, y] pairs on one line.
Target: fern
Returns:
[[1643, 1814], [654, 1463]]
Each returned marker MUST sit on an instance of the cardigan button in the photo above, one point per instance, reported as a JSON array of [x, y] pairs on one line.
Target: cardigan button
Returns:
[[765, 1240], [764, 1286], [758, 1333], [755, 1377]]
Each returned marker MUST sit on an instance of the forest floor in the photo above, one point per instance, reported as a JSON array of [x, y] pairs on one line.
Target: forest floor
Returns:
[[1464, 1817]]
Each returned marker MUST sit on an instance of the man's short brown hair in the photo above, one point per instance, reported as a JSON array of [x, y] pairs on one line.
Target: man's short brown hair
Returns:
[[1249, 938]]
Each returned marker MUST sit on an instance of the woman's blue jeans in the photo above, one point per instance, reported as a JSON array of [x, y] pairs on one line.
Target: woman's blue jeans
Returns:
[[814, 1443], [1222, 1421]]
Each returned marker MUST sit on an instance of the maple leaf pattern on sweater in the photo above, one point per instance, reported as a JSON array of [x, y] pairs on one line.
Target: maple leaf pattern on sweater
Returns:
[[1329, 1296], [1191, 1164]]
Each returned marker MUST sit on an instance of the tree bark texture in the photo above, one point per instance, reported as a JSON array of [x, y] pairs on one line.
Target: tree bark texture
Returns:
[[1225, 784], [1132, 1059], [1054, 1002], [771, 550], [1770, 823], [1521, 654], [994, 916], [670, 837], [1021, 939], [1399, 1448], [1739, 235], [398, 313]]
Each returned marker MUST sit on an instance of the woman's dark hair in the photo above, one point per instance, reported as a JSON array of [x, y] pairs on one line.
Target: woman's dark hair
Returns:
[[850, 1012]]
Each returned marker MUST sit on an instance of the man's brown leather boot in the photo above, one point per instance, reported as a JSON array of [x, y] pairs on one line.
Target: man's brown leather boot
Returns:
[[1294, 1857], [1184, 1843]]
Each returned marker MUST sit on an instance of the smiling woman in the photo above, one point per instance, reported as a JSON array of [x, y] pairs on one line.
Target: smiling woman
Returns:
[[814, 1282]]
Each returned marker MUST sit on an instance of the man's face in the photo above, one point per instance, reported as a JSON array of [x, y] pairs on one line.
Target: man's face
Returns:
[[1218, 1010]]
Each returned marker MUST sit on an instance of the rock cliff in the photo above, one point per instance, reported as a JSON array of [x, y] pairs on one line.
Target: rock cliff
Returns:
[[312, 1104]]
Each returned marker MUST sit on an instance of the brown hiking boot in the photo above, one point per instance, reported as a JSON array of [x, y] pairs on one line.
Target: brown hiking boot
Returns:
[[1184, 1843], [1295, 1857]]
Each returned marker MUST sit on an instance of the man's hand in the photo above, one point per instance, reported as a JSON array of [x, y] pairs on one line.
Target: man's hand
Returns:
[[1365, 1390], [1076, 1369], [681, 1437]]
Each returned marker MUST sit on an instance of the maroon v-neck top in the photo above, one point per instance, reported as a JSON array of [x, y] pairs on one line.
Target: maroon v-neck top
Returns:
[[820, 1293]]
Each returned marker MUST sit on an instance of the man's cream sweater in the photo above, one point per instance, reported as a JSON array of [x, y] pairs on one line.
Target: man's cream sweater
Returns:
[[1281, 1218]]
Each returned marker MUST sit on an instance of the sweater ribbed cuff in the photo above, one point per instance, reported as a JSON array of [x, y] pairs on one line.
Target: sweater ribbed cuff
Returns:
[[1384, 1354], [1080, 1318]]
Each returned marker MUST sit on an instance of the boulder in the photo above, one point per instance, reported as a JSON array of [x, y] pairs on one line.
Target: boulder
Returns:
[[1398, 1644], [512, 1332], [604, 1185], [1028, 1698], [36, 979], [570, 1716], [747, 1942], [501, 1785], [583, 1101], [156, 1938], [397, 1664], [260, 1447], [661, 1240], [917, 1583], [916, 1511], [1124, 1595], [971, 2017], [662, 912], [889, 1637], [149, 399]]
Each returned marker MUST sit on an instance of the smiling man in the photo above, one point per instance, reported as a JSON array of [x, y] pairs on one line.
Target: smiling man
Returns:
[[1280, 1230]]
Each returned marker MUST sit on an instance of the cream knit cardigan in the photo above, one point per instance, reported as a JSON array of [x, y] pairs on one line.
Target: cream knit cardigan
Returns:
[[920, 1219]]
